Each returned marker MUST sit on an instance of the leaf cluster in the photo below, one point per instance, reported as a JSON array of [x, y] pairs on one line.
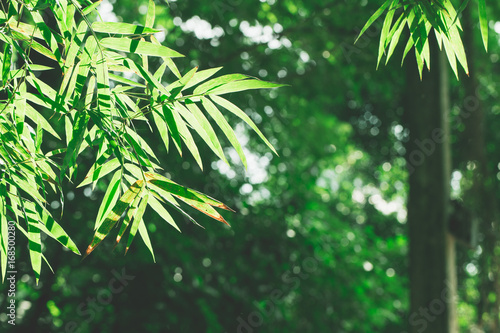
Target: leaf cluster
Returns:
[[107, 90], [421, 17]]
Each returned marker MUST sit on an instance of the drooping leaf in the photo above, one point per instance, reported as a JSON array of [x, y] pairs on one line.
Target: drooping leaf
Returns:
[[243, 116], [225, 127], [79, 127], [137, 219], [483, 22], [373, 18], [115, 214]]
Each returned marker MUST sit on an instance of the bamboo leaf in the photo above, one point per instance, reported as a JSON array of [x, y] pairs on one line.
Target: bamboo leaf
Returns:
[[374, 17], [243, 116], [243, 85], [143, 232], [483, 22], [217, 82], [386, 27], [162, 212], [110, 198], [54, 230], [184, 133], [201, 76], [100, 170], [79, 128], [122, 28], [115, 215], [89, 9], [162, 128], [200, 123], [138, 47], [34, 242], [225, 127], [179, 191], [150, 17], [128, 218], [137, 219]]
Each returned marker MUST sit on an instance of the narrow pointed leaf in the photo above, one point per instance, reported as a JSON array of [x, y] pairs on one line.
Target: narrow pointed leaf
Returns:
[[150, 17], [225, 127], [122, 28], [483, 22], [162, 212], [110, 198], [243, 85], [243, 116], [373, 18], [54, 230], [137, 219], [143, 232], [115, 215], [98, 171], [138, 47], [79, 127]]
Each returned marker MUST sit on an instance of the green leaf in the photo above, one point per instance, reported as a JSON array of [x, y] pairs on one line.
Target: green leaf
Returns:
[[115, 214], [138, 47], [243, 116], [374, 17], [89, 9], [201, 76], [162, 212], [450, 54], [483, 22], [139, 70], [54, 230], [7, 54], [98, 171], [458, 47], [128, 218], [384, 41], [183, 132], [169, 186], [225, 127], [79, 128], [243, 85], [400, 24], [123, 80], [162, 128], [137, 219], [205, 209], [459, 11], [143, 158], [217, 82], [143, 232], [178, 86], [110, 198], [103, 92], [150, 17], [34, 241], [200, 123], [168, 115], [122, 28]]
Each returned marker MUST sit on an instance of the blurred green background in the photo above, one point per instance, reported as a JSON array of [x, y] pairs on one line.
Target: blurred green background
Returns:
[[318, 242]]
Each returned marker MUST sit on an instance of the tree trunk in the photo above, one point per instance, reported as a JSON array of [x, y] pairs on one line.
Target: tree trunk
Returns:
[[432, 249], [480, 198]]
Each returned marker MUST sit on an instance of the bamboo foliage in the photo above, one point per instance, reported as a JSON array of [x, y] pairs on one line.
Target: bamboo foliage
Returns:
[[106, 90], [421, 17]]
